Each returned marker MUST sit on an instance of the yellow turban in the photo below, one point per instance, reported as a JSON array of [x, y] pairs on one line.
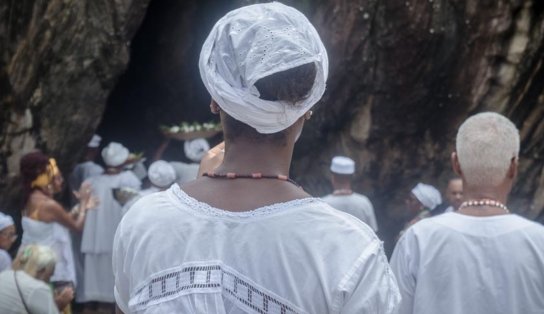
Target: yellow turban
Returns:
[[46, 178]]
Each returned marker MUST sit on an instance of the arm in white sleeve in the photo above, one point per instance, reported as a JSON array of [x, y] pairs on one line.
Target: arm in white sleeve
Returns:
[[403, 264], [121, 288], [370, 287]]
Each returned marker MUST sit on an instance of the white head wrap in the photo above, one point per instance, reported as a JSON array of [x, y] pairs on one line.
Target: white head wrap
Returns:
[[427, 195], [95, 141], [257, 41], [161, 174], [196, 149], [5, 221], [114, 154], [342, 165]]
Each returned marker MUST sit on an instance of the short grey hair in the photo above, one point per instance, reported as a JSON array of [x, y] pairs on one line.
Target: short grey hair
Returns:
[[35, 258], [486, 144]]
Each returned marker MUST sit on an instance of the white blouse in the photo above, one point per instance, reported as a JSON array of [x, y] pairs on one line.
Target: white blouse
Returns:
[[174, 254]]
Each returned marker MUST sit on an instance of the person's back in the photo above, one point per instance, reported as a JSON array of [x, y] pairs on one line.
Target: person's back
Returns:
[[284, 258], [356, 205], [244, 237], [493, 264], [36, 294], [481, 258]]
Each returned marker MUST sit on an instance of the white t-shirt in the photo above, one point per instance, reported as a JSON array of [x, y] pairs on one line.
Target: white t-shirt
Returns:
[[459, 264], [356, 205], [36, 294], [5, 260], [174, 254]]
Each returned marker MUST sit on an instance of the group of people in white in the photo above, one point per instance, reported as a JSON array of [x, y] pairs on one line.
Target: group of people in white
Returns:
[[243, 237]]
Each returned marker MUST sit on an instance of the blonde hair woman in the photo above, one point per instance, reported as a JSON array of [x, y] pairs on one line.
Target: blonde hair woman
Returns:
[[26, 288]]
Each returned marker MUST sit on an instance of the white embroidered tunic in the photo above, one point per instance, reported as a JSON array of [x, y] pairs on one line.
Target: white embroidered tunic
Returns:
[[174, 254], [458, 264]]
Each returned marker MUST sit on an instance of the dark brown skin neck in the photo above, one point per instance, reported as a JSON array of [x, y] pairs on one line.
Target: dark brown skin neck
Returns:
[[245, 156]]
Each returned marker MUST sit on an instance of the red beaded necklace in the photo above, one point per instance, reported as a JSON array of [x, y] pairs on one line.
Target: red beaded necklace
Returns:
[[256, 175]]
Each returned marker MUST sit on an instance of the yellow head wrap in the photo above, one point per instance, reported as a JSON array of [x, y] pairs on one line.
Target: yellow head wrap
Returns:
[[44, 179]]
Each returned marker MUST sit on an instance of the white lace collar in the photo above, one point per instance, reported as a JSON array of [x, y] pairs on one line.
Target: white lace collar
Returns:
[[209, 210]]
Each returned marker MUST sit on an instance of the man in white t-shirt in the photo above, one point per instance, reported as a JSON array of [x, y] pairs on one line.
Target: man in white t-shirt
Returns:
[[244, 237], [480, 259], [343, 198]]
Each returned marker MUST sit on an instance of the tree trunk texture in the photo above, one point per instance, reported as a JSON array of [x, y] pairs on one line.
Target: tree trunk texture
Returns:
[[403, 77]]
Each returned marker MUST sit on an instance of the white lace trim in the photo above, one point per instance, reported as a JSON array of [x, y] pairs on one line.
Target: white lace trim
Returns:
[[209, 277], [213, 211]]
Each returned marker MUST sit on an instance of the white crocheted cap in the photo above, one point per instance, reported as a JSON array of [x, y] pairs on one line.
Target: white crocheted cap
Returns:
[[342, 165], [254, 42]]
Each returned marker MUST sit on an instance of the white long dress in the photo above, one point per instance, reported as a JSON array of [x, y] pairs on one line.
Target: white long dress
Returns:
[[356, 205], [81, 172], [55, 236], [97, 239], [174, 254], [458, 264]]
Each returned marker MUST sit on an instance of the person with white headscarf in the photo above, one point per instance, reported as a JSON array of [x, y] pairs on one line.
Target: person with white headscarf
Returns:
[[423, 198], [481, 258], [343, 198], [194, 150], [8, 235], [100, 225], [246, 238], [161, 174]]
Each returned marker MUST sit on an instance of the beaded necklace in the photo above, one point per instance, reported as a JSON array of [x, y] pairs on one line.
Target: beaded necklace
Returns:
[[484, 202], [256, 175]]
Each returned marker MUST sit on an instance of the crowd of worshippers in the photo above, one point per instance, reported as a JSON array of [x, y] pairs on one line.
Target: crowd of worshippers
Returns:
[[232, 233]]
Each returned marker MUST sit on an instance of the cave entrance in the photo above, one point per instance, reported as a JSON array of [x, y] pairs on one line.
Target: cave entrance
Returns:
[[161, 85]]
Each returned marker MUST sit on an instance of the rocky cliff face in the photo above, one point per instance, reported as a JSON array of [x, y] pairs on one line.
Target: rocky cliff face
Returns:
[[404, 75]]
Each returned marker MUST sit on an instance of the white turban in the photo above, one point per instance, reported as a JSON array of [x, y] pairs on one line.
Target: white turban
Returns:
[[427, 195], [95, 141], [5, 221], [196, 149], [161, 174], [257, 41], [114, 154], [342, 165]]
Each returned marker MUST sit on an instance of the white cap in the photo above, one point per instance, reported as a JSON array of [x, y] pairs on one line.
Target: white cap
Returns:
[[115, 154], [95, 141], [196, 149], [5, 221], [427, 195], [161, 174], [342, 165]]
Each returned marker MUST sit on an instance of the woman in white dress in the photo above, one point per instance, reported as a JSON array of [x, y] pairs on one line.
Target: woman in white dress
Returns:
[[45, 221]]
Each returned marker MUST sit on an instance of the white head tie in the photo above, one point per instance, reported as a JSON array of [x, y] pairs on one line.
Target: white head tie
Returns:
[[5, 221], [161, 174], [95, 141], [427, 195], [196, 149], [114, 154], [257, 41], [342, 165]]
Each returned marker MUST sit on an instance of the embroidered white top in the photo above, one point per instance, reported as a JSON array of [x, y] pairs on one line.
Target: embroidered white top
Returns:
[[458, 264], [356, 205], [174, 254]]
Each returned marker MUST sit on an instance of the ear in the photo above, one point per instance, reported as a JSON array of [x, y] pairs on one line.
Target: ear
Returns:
[[214, 107], [455, 164], [513, 168]]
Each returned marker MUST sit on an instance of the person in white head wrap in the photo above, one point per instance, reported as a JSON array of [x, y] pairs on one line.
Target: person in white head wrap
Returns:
[[343, 198], [245, 238], [8, 235], [100, 225], [423, 198], [161, 174]]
